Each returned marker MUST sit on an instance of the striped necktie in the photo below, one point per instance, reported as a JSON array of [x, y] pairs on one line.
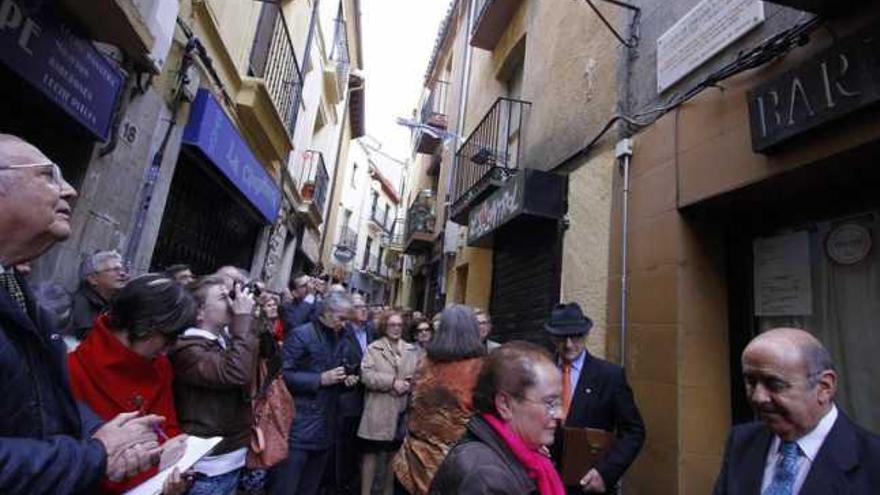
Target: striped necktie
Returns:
[[786, 471], [10, 285]]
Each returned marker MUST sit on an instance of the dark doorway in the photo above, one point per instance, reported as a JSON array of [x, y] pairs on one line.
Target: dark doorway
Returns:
[[525, 279], [206, 223]]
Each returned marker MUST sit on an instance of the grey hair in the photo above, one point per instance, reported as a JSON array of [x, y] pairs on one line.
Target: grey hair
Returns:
[[93, 262], [818, 360], [458, 337], [336, 302]]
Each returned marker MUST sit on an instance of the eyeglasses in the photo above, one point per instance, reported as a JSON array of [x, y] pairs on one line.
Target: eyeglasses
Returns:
[[57, 177], [550, 405], [115, 269], [423, 329]]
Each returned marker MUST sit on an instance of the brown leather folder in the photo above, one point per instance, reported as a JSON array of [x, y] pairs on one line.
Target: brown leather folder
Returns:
[[582, 448]]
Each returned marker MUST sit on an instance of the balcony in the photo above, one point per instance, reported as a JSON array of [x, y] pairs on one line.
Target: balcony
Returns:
[[420, 220], [493, 17], [348, 237], [393, 239], [373, 265], [312, 181], [271, 95], [143, 30], [490, 155], [433, 114], [381, 220], [336, 72]]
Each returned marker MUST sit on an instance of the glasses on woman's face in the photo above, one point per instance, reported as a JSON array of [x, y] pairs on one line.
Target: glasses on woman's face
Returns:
[[423, 330], [551, 404]]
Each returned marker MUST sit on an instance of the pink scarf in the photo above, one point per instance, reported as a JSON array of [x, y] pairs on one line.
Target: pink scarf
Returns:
[[538, 466]]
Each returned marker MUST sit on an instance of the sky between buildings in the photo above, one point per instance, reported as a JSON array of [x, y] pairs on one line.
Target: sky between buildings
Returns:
[[398, 37]]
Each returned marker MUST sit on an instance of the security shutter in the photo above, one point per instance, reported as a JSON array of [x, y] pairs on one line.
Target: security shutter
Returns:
[[525, 279]]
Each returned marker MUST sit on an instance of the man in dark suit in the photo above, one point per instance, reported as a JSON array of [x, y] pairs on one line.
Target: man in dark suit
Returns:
[[803, 444], [48, 442], [596, 395], [297, 312], [359, 333]]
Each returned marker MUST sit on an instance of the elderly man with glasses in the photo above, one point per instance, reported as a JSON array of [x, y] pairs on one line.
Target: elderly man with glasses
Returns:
[[48, 443], [595, 395], [102, 275]]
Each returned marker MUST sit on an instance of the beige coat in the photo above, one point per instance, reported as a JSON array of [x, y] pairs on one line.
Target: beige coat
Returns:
[[382, 364]]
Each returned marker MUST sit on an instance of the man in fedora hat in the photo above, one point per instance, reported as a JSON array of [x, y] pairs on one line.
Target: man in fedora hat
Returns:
[[595, 394]]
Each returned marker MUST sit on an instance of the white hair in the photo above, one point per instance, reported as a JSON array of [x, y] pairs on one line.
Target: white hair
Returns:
[[92, 264]]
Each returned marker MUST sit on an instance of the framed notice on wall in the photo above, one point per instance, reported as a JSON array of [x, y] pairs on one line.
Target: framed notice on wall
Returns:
[[782, 275]]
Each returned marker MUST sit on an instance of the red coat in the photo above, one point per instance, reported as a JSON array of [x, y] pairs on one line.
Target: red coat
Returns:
[[112, 379]]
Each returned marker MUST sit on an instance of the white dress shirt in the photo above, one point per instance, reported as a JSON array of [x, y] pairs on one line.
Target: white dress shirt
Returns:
[[808, 446]]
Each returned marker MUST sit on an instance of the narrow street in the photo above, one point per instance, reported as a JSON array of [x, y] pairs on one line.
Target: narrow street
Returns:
[[439, 246]]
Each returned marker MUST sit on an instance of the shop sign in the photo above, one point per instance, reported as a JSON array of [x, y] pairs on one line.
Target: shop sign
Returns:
[[835, 83], [212, 132], [68, 70], [496, 210], [528, 192]]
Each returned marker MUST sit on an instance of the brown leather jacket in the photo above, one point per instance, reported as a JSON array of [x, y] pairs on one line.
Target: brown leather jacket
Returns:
[[212, 383]]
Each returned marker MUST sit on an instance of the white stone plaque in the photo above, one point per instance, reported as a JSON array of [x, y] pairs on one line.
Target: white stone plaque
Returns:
[[707, 29]]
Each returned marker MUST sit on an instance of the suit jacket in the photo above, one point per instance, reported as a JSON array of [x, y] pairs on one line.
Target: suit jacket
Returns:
[[604, 400], [45, 436], [847, 463], [296, 313], [351, 401]]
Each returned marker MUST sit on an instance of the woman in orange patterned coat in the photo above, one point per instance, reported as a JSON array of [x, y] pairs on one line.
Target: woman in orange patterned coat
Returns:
[[441, 399]]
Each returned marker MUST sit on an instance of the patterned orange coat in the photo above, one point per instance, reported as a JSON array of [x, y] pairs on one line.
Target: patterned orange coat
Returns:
[[441, 408]]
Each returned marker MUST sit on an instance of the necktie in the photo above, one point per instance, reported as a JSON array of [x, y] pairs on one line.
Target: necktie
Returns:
[[566, 389], [10, 285], [786, 471]]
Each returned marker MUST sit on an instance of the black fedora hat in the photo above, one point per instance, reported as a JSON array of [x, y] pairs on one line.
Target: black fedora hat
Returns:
[[568, 320]]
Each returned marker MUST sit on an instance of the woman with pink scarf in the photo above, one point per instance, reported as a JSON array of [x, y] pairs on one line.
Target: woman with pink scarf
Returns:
[[518, 406]]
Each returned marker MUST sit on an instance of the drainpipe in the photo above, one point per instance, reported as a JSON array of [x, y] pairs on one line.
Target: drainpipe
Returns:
[[624, 152]]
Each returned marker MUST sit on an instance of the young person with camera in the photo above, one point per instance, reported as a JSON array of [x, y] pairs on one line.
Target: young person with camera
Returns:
[[215, 364]]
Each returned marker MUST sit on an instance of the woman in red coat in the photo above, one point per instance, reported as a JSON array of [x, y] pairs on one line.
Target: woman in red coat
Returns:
[[121, 365]]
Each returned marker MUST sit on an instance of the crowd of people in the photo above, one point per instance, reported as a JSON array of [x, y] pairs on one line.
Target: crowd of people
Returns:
[[313, 391]]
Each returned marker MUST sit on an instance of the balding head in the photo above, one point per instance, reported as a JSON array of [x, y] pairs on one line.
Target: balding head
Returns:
[[34, 201], [790, 380]]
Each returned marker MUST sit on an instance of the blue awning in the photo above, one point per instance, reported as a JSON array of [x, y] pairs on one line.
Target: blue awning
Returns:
[[212, 132]]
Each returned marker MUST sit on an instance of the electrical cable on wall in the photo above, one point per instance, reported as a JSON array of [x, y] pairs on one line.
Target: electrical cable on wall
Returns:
[[767, 51]]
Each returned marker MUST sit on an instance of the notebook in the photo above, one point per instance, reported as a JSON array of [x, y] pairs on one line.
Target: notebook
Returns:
[[196, 448]]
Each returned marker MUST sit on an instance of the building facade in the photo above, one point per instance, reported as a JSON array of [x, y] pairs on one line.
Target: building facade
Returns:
[[496, 220], [365, 235], [201, 132], [751, 205]]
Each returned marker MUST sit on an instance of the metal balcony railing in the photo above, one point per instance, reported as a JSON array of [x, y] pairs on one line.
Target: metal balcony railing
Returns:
[[434, 107], [313, 179], [348, 237], [273, 59], [382, 219], [492, 152], [419, 218], [394, 237]]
